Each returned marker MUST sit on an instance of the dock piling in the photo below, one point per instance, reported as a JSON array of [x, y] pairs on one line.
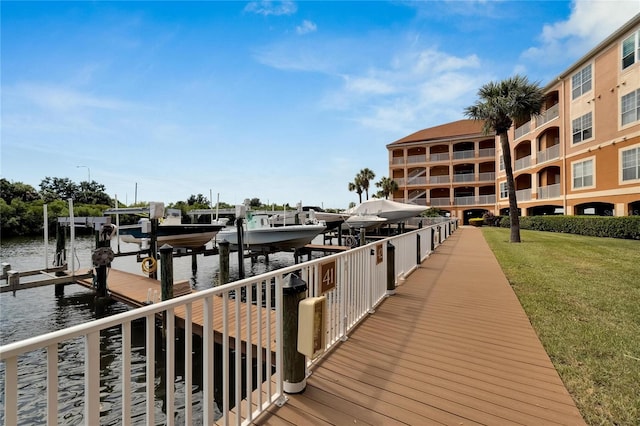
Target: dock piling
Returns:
[[391, 269], [166, 272], [294, 363], [224, 261]]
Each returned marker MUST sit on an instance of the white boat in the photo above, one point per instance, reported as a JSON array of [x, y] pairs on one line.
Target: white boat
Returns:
[[260, 235], [392, 211], [308, 215], [369, 221], [172, 232]]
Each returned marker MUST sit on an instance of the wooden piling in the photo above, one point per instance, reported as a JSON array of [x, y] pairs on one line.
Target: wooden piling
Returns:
[[224, 261], [391, 269], [294, 363], [240, 248], [194, 263], [363, 237], [166, 272], [153, 247]]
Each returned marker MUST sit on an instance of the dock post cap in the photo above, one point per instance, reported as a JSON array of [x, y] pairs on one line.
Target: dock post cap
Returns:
[[293, 284], [166, 247]]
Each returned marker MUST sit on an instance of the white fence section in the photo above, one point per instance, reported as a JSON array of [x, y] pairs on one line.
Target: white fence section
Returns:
[[360, 278]]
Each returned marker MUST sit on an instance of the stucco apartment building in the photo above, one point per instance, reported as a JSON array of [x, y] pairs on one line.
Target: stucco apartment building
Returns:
[[581, 155]]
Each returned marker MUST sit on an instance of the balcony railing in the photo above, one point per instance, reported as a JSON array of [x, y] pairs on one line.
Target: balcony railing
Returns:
[[549, 191], [523, 194], [549, 154], [548, 115], [434, 180], [442, 201], [418, 180], [458, 155], [487, 176], [400, 181], [465, 201], [487, 152], [464, 177], [487, 199], [443, 156], [417, 158], [522, 163], [397, 160], [523, 130]]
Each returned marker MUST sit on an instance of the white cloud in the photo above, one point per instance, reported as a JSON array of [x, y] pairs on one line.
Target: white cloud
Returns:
[[590, 22], [55, 98], [267, 7], [306, 27]]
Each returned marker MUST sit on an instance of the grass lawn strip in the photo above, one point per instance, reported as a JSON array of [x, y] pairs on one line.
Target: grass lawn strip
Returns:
[[582, 296]]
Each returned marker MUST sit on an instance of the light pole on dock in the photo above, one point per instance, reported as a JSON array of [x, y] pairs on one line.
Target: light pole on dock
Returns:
[[88, 172]]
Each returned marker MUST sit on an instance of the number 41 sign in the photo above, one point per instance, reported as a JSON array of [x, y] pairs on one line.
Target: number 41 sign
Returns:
[[327, 276]]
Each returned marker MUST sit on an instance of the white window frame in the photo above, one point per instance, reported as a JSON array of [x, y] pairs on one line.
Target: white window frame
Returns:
[[633, 108], [636, 166], [581, 82], [579, 124], [504, 191], [581, 163], [634, 53]]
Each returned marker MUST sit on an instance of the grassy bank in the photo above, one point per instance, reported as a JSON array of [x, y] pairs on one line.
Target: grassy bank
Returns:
[[582, 295]]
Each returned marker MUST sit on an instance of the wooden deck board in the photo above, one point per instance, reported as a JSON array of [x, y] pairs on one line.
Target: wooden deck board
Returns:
[[452, 346]]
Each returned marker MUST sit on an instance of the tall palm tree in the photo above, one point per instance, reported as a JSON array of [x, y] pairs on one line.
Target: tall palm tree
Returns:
[[356, 186], [366, 176], [501, 104], [387, 186]]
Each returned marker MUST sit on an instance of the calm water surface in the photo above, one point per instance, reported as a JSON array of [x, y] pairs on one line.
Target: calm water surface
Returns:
[[38, 311]]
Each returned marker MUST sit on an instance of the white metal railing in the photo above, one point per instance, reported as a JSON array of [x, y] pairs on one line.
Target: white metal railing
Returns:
[[549, 154], [487, 176], [443, 156], [487, 199], [548, 115], [523, 194], [465, 201], [417, 158], [418, 180], [440, 201], [397, 160], [549, 191], [464, 177], [400, 181], [487, 152], [360, 284], [522, 163], [439, 179], [523, 130], [458, 155]]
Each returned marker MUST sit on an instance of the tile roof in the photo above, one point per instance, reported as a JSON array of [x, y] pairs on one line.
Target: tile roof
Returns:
[[449, 130]]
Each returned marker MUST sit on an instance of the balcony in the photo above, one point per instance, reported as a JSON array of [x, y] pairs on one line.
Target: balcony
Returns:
[[549, 154], [464, 177], [443, 201], [400, 181], [435, 180], [417, 159], [443, 156], [549, 191], [397, 160], [487, 177], [522, 163], [487, 152], [548, 115], [523, 194], [459, 155], [523, 130]]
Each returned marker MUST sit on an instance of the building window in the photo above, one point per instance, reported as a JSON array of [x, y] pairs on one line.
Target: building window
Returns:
[[501, 162], [582, 128], [583, 174], [631, 164], [631, 50], [581, 82], [503, 190], [630, 107]]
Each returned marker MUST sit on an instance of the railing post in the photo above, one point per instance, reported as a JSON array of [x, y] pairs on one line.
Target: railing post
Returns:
[[391, 269], [294, 363]]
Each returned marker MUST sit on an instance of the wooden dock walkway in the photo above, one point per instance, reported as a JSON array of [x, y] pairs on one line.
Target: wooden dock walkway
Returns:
[[453, 346]]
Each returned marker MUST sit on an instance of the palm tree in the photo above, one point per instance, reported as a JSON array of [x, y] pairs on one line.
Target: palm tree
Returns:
[[387, 187], [500, 105], [356, 185], [366, 176]]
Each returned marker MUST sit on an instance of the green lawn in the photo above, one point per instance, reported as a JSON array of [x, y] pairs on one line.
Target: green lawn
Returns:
[[582, 295]]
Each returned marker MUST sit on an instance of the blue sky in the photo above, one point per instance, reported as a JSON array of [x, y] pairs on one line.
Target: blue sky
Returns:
[[281, 101]]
